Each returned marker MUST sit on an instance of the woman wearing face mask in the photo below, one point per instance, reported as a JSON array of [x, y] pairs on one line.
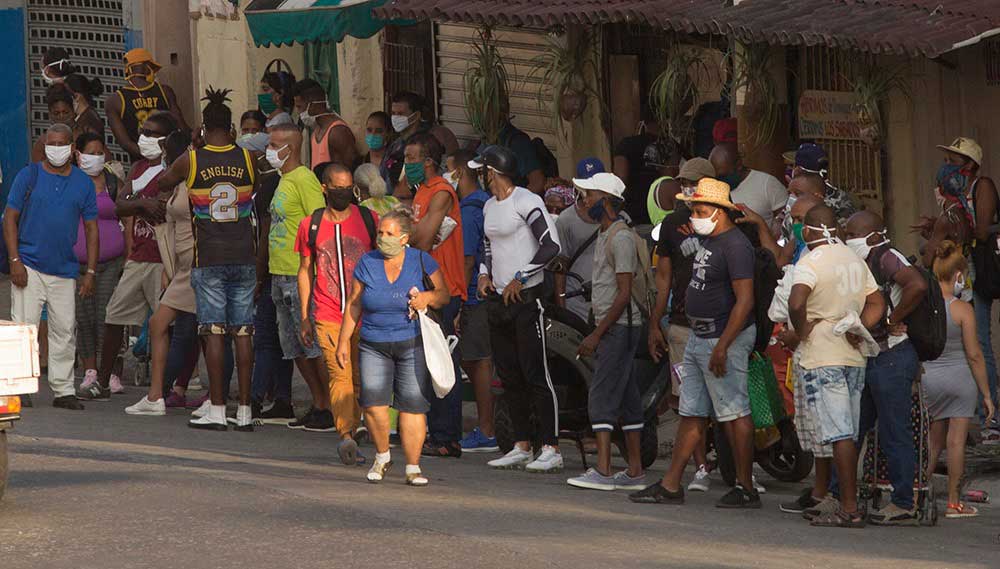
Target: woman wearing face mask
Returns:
[[59, 100], [90, 310], [275, 97], [378, 136], [56, 65], [389, 287], [953, 382], [84, 90]]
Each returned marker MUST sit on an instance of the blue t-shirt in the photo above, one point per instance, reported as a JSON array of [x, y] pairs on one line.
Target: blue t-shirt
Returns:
[[472, 235], [49, 222], [719, 261], [385, 308]]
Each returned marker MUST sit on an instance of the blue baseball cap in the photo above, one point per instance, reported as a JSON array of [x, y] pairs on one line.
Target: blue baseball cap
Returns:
[[812, 158], [588, 167]]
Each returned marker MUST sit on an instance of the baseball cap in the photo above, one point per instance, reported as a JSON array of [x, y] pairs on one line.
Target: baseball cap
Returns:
[[812, 158], [696, 169], [602, 182], [966, 147], [588, 167], [140, 55]]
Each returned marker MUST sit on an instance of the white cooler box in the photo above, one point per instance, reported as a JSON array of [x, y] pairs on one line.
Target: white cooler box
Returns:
[[19, 368]]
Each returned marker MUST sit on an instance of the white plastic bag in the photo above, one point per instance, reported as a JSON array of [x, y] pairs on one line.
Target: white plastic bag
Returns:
[[437, 354]]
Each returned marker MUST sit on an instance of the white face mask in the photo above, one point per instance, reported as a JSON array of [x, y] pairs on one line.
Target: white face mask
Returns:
[[861, 247], [58, 156], [705, 225], [91, 164], [149, 147], [400, 122], [959, 285], [273, 157], [50, 80], [829, 234]]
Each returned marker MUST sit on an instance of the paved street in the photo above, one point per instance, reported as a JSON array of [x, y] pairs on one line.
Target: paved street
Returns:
[[101, 489]]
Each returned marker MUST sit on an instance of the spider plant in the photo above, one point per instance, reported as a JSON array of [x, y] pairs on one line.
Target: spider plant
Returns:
[[564, 68], [486, 88], [674, 91], [751, 66], [872, 85]]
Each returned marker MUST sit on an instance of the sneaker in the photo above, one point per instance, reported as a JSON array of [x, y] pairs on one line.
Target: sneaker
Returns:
[[320, 422], [625, 482], [93, 393], [378, 471], [243, 421], [828, 505], [476, 441], [197, 402], [800, 504], [593, 480], [202, 410], [348, 452], [115, 384], [416, 479], [207, 423], [701, 481], [893, 515], [175, 400], [548, 461], [657, 494], [279, 413], [89, 378], [68, 402], [300, 423], [147, 407], [516, 459], [757, 485], [990, 437], [739, 498]]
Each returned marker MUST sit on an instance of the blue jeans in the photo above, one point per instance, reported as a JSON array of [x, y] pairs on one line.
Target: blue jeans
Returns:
[[272, 373], [285, 294], [395, 373], [984, 308], [224, 298], [182, 356], [444, 421]]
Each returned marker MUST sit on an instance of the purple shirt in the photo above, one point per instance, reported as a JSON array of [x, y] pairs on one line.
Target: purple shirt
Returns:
[[112, 240]]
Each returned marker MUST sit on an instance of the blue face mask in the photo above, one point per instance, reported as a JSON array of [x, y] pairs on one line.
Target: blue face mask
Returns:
[[375, 141], [596, 211], [415, 174], [951, 180], [733, 179]]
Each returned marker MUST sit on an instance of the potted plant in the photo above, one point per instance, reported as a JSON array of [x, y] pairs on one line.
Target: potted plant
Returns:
[[486, 88], [751, 66], [674, 91], [872, 85], [564, 68]]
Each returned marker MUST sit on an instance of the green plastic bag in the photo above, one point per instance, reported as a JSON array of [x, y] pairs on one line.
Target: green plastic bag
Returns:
[[762, 384]]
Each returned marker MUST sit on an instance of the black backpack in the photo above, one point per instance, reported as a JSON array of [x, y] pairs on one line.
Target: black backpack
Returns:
[[926, 326], [317, 218]]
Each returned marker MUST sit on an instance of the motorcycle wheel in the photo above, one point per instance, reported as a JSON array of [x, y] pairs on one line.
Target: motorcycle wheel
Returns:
[[724, 457], [3, 463], [785, 460], [649, 443], [503, 424]]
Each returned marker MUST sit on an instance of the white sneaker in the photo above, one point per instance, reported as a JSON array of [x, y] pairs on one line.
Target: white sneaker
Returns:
[[203, 410], [758, 486], [513, 460], [701, 481], [208, 423], [244, 419], [548, 461], [147, 407]]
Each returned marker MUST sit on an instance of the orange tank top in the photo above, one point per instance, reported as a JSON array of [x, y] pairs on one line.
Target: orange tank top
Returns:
[[321, 148], [450, 254]]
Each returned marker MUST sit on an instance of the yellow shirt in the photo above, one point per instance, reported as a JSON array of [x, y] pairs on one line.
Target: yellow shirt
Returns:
[[297, 196]]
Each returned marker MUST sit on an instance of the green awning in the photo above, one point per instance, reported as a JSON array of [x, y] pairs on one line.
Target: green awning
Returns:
[[284, 22]]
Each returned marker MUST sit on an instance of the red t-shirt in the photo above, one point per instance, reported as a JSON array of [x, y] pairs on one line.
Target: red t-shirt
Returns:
[[144, 248], [340, 246], [450, 255]]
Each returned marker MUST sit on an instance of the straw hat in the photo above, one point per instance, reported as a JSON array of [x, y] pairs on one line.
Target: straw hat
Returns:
[[965, 147], [710, 191]]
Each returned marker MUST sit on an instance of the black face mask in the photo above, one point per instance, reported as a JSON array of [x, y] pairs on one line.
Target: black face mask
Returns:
[[339, 199]]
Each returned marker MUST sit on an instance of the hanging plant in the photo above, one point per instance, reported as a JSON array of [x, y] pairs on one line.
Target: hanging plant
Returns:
[[751, 66], [872, 85], [486, 88], [674, 91], [564, 68]]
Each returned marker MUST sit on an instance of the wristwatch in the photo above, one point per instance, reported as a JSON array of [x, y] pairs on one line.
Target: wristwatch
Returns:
[[520, 278]]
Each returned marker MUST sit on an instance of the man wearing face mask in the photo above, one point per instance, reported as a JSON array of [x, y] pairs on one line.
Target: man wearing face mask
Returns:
[[719, 305], [331, 139], [128, 107], [831, 282], [577, 233], [762, 192], [437, 230], [889, 376], [330, 242], [46, 202], [407, 120]]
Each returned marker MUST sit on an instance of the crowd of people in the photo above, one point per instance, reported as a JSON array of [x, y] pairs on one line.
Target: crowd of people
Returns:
[[274, 243]]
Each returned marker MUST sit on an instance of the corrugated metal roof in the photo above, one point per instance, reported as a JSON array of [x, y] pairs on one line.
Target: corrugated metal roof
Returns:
[[912, 27]]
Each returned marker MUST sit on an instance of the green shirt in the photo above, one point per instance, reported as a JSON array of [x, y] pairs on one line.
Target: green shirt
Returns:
[[297, 196]]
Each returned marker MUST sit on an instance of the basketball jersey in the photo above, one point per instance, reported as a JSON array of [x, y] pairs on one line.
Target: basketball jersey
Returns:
[[220, 189], [138, 104]]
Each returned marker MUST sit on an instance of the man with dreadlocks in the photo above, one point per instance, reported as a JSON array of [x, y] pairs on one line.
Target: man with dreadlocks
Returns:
[[221, 178]]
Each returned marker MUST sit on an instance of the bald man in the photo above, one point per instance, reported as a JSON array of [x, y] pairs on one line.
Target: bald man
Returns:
[[806, 183], [762, 192], [298, 195], [794, 245]]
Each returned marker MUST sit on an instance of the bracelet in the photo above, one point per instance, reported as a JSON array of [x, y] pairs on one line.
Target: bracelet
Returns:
[[91, 272], [15, 260]]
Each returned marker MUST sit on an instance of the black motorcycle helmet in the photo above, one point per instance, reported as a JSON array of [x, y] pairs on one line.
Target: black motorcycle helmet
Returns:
[[498, 158]]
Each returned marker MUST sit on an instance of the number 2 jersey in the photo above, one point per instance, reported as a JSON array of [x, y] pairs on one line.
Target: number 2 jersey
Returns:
[[220, 189]]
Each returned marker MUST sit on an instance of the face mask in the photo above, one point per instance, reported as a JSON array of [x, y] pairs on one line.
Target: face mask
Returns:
[[339, 199], [129, 75], [959, 286], [308, 120], [149, 147], [400, 122], [244, 138], [58, 156], [415, 173], [797, 232], [50, 80], [596, 211], [375, 141], [861, 247], [732, 179], [829, 235], [951, 180], [91, 164], [390, 246], [266, 104], [705, 225], [273, 159]]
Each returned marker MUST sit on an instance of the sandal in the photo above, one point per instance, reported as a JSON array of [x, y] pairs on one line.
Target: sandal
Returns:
[[416, 479], [839, 519], [441, 450], [961, 510], [378, 471]]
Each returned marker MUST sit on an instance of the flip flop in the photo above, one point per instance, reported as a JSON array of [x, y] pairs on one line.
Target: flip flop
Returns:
[[961, 510], [839, 519]]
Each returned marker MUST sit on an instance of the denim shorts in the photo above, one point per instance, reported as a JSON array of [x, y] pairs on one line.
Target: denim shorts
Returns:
[[702, 393], [831, 406], [285, 294], [223, 296], [395, 373]]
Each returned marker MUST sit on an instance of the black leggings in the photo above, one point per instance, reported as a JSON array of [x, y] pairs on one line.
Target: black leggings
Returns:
[[517, 336]]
